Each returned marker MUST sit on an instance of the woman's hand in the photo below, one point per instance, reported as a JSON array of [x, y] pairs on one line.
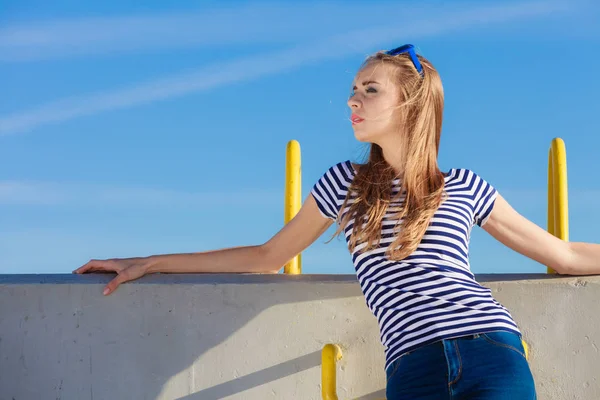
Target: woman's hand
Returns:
[[127, 269]]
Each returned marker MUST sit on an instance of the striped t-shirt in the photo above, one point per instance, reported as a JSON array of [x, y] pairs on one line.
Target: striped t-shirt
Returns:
[[431, 294]]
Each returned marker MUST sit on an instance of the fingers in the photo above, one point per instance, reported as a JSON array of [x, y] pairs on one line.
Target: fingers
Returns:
[[112, 285], [126, 269], [124, 273], [96, 265]]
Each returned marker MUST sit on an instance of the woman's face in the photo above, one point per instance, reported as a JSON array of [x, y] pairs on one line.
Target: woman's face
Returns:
[[374, 103]]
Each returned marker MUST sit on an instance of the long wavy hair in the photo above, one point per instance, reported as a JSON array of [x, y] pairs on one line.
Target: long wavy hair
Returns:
[[419, 111]]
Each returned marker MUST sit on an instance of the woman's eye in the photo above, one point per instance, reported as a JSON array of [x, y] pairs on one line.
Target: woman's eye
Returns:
[[368, 90]]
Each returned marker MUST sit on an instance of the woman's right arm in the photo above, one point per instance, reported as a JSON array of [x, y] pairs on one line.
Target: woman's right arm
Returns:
[[292, 239]]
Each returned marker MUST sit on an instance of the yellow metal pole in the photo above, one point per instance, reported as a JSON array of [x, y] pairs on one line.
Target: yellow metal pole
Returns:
[[329, 355], [550, 192], [526, 348], [558, 199], [293, 196], [550, 197], [561, 202]]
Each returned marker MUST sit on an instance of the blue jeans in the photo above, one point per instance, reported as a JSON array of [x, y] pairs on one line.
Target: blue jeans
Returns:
[[485, 366]]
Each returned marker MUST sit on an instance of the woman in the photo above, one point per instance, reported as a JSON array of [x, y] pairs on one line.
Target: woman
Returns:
[[445, 336]]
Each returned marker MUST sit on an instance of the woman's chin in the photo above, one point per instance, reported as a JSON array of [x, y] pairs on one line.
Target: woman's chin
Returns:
[[361, 135]]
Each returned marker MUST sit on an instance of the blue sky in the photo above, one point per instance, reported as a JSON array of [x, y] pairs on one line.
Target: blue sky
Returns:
[[129, 130]]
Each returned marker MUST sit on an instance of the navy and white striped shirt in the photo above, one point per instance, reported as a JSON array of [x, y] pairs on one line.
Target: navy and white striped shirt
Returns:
[[431, 294]]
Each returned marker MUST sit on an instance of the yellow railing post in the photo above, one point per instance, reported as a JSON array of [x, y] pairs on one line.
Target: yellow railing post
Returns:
[[526, 348], [558, 199], [293, 196], [329, 355]]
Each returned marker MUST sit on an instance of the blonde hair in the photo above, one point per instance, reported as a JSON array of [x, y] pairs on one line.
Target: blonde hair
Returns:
[[420, 111]]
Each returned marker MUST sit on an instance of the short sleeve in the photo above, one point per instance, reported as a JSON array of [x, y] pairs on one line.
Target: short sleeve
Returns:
[[484, 198], [331, 189]]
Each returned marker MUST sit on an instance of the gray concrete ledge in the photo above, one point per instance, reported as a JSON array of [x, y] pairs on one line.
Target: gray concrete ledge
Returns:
[[253, 336], [253, 279]]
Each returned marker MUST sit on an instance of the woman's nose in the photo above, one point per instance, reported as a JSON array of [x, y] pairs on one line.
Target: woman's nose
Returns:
[[354, 102]]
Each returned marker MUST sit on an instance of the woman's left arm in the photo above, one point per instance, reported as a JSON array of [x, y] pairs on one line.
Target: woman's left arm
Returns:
[[523, 236]]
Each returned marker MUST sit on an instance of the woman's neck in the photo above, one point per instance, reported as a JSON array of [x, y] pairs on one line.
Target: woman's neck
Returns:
[[394, 155]]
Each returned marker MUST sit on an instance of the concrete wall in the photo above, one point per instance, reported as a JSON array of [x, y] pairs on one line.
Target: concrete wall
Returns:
[[251, 336]]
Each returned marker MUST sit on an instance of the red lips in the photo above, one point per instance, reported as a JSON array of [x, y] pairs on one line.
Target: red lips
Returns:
[[356, 119]]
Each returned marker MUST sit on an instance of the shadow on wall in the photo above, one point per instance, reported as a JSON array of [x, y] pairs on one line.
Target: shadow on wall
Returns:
[[270, 374], [258, 378], [70, 341]]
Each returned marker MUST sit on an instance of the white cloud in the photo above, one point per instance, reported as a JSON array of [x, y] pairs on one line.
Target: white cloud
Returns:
[[354, 42], [60, 194], [253, 23], [109, 35], [39, 193]]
